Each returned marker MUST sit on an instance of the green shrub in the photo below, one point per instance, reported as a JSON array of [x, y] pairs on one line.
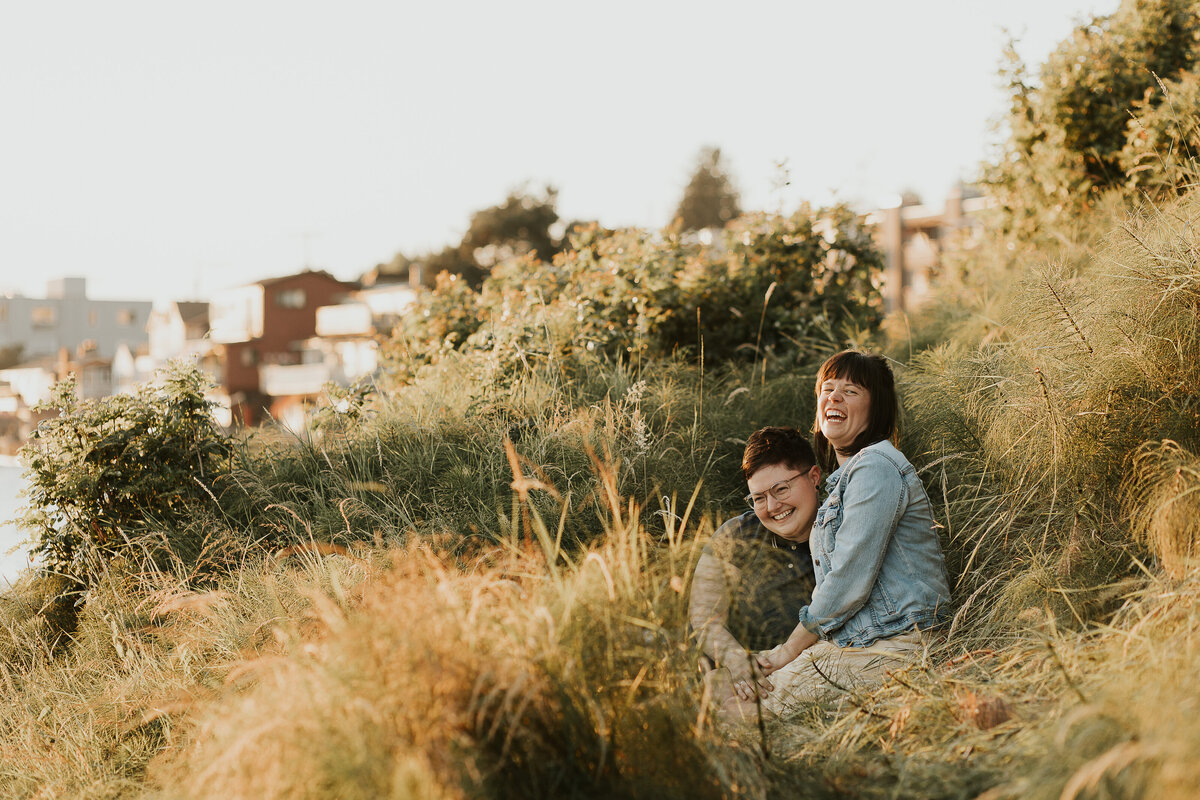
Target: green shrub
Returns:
[[104, 471], [772, 285], [1067, 130], [780, 282]]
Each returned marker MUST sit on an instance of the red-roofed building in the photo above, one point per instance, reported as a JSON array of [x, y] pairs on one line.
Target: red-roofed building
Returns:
[[266, 323]]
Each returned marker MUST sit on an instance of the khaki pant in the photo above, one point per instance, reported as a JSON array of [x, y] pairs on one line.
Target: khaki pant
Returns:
[[825, 670]]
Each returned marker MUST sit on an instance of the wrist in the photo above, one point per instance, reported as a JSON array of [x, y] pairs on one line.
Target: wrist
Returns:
[[732, 654]]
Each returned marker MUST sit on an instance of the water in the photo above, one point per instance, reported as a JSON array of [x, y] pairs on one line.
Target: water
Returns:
[[11, 536]]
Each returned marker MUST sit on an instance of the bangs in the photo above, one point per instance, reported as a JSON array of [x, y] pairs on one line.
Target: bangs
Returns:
[[872, 373], [851, 366]]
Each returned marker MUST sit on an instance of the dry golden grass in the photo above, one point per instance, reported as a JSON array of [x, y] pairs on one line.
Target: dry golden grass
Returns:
[[1164, 501], [516, 626], [528, 672]]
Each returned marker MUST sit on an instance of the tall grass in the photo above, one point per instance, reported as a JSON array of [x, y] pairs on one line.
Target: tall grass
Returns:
[[429, 458], [1032, 433], [480, 591]]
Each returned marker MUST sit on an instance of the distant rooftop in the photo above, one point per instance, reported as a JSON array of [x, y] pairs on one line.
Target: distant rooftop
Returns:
[[192, 311]]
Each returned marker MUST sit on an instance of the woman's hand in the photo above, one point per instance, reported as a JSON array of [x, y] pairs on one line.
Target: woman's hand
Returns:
[[777, 657]]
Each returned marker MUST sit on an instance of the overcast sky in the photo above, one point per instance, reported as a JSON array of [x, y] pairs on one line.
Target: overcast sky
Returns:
[[167, 150]]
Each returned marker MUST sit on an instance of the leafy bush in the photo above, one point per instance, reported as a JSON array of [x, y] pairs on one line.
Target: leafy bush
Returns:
[[106, 470], [779, 282], [773, 283], [1068, 129]]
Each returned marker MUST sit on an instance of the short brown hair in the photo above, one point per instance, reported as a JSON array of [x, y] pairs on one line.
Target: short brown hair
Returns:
[[873, 374], [786, 446]]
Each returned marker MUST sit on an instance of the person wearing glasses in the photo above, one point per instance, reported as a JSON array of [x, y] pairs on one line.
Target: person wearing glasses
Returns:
[[756, 574], [881, 578]]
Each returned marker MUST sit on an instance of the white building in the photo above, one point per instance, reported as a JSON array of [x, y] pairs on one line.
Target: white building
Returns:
[[66, 319], [179, 331]]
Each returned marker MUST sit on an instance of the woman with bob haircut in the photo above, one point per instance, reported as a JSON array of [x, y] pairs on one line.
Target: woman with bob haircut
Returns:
[[880, 576]]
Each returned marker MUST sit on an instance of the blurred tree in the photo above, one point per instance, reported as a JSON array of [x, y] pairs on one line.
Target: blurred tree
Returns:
[[709, 201], [522, 224], [452, 260], [1163, 141], [1066, 132], [525, 224], [394, 271]]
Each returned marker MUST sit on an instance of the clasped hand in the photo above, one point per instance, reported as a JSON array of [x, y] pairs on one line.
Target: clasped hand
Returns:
[[750, 674], [771, 660], [749, 682]]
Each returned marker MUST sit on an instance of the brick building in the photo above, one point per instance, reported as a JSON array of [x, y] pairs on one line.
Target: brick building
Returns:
[[266, 323]]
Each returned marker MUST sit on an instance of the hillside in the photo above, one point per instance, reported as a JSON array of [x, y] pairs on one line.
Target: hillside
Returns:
[[470, 578]]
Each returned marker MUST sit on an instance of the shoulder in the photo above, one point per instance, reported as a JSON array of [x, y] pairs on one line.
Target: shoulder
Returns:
[[876, 465], [743, 527], [736, 538], [878, 457]]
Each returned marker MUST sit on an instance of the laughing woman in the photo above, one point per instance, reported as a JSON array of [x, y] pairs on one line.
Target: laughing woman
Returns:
[[880, 577]]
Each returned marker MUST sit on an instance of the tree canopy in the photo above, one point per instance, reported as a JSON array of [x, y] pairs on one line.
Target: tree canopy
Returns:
[[710, 200], [524, 224], [1069, 130]]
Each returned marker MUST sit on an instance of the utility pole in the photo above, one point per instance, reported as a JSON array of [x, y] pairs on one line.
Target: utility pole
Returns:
[[306, 239]]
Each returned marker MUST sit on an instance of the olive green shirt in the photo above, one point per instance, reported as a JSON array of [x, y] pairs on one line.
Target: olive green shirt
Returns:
[[748, 588]]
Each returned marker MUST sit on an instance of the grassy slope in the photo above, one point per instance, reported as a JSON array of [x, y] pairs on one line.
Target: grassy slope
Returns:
[[480, 637]]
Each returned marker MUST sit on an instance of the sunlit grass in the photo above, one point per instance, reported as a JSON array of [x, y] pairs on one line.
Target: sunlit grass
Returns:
[[465, 590]]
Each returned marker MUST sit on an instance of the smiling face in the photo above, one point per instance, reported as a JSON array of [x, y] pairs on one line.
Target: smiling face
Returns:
[[843, 412], [792, 517]]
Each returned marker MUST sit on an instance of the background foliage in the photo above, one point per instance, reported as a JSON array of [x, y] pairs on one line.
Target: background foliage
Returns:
[[470, 579], [104, 473], [1068, 128], [772, 283]]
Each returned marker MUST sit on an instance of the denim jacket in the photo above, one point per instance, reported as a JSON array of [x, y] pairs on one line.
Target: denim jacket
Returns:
[[877, 560]]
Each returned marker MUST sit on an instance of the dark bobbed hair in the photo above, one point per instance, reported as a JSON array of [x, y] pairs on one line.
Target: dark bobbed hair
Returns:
[[873, 374], [768, 446]]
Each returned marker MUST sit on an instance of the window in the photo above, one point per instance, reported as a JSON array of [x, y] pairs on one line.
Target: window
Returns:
[[92, 318], [290, 298], [43, 316], [126, 317]]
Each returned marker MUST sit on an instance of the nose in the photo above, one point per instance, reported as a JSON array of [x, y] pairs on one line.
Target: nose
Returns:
[[773, 503]]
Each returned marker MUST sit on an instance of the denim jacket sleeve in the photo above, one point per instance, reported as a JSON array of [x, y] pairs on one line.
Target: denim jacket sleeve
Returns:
[[872, 500]]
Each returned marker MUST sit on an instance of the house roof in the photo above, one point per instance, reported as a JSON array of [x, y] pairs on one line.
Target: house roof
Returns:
[[40, 362], [193, 313], [314, 272]]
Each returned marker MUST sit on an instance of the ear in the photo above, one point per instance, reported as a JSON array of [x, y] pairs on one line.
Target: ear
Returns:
[[814, 475]]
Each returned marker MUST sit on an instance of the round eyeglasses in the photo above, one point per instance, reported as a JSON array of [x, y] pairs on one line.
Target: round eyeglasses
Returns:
[[779, 491]]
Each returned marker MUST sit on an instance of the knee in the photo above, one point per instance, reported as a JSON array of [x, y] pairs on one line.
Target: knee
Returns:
[[734, 709]]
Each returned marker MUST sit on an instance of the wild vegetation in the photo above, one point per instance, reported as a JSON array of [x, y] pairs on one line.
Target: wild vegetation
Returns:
[[470, 578]]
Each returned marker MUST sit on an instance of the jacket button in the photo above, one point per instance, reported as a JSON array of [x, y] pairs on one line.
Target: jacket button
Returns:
[[817, 562], [790, 566]]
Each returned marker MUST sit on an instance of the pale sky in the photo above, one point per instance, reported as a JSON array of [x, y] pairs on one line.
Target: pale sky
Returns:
[[166, 150]]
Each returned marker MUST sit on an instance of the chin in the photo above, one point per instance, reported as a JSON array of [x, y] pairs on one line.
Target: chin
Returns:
[[790, 534]]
